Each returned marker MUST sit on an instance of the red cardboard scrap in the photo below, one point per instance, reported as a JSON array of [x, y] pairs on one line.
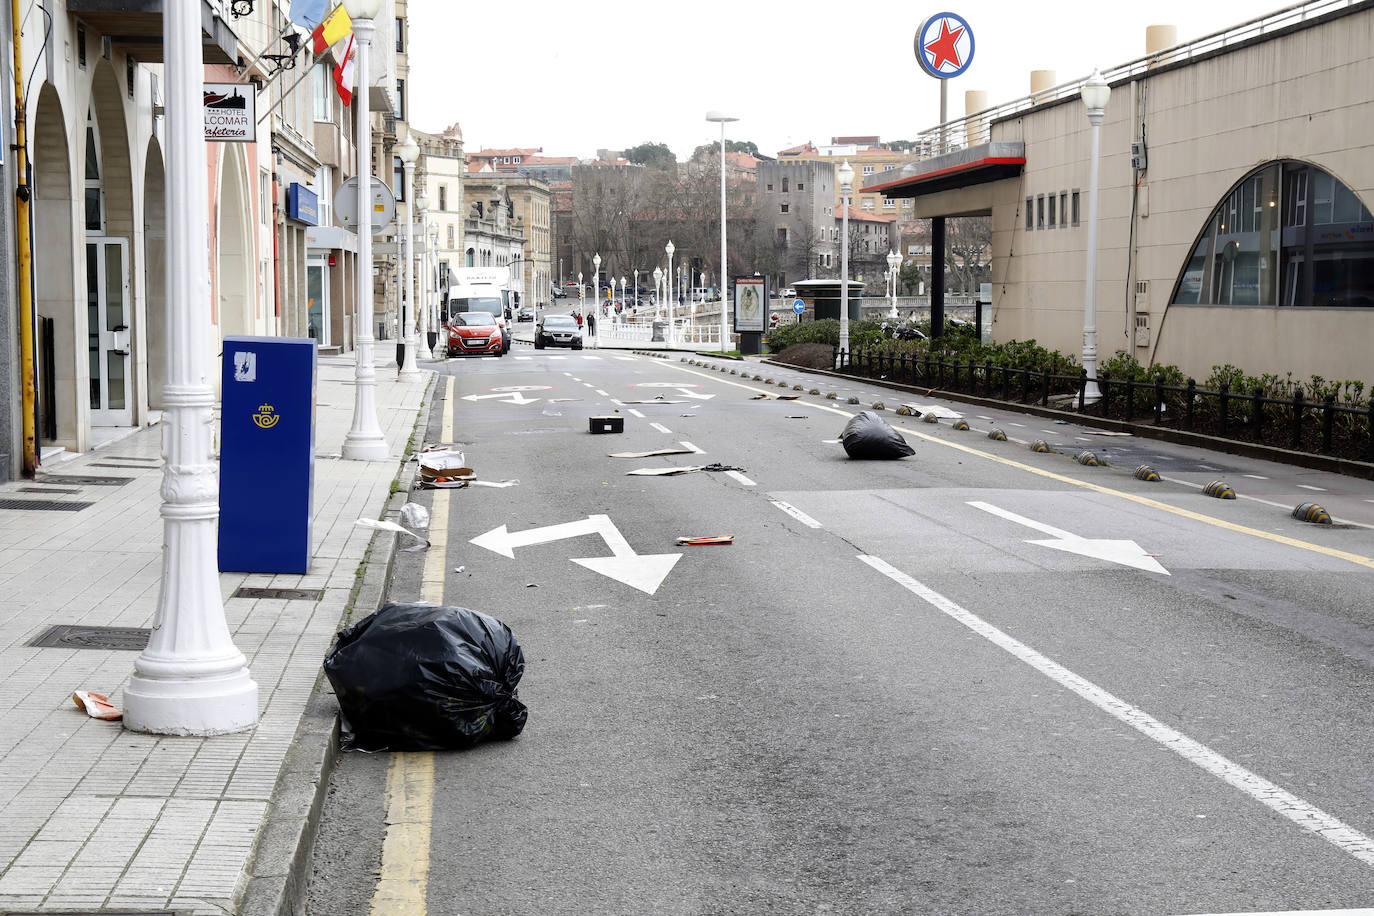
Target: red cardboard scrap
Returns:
[[96, 705], [706, 540]]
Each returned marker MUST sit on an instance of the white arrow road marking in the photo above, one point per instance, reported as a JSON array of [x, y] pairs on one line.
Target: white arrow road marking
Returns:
[[688, 393], [1126, 553], [645, 572], [511, 398], [692, 447], [661, 428], [796, 513]]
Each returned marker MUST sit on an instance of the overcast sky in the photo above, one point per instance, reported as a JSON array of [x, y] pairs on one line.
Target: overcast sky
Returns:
[[575, 77]]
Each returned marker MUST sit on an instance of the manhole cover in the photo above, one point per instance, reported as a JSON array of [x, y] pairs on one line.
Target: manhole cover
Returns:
[[43, 505], [48, 490], [67, 636], [280, 594], [78, 481]]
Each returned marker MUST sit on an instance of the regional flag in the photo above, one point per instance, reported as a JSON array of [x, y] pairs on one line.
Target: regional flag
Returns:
[[335, 26], [343, 73], [307, 13]]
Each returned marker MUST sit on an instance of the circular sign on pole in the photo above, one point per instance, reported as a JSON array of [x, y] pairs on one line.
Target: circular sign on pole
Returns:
[[798, 306], [944, 45], [346, 205]]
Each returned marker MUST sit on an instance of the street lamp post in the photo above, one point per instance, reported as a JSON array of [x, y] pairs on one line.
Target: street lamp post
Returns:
[[422, 283], [622, 295], [658, 293], [408, 152], [668, 279], [190, 679], [845, 174], [364, 440], [596, 290], [636, 287], [433, 298], [580, 297], [722, 119], [894, 261], [1095, 93]]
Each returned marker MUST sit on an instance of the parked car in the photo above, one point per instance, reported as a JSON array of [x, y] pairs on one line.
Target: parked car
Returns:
[[789, 293], [526, 313], [558, 331], [557, 292], [474, 333]]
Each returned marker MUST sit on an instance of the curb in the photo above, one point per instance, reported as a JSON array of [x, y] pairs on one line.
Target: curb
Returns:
[[1315, 462], [279, 875]]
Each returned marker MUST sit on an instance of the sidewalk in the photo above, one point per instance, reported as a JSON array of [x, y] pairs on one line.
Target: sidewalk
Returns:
[[93, 817]]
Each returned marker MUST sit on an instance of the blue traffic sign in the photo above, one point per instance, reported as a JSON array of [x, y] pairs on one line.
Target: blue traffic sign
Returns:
[[798, 306]]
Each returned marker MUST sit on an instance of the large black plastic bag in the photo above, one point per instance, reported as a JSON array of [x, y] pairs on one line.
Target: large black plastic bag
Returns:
[[423, 677], [867, 435]]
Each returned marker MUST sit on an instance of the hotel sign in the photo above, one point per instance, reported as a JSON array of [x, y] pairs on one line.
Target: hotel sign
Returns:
[[231, 113]]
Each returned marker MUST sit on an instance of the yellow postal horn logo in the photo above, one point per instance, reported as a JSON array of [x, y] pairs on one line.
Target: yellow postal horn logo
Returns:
[[266, 417]]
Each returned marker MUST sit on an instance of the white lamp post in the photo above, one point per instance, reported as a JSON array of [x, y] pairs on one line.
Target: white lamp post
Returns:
[[722, 119], [1095, 93], [658, 292], [190, 679], [668, 280], [596, 290], [579, 290], [364, 440], [422, 283], [622, 295], [636, 287], [894, 261], [845, 175], [432, 299], [408, 151]]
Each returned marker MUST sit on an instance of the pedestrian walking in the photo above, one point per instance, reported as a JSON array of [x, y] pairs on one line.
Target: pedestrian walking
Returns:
[[579, 318], [591, 328]]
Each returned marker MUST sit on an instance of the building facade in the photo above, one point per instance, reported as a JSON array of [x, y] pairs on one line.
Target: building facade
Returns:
[[531, 208], [795, 220]]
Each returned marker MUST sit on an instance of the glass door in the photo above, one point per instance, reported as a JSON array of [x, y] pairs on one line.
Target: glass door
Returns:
[[317, 294], [108, 312]]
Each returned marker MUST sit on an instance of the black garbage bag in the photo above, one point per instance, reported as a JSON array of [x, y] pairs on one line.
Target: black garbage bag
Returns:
[[867, 435], [423, 677]]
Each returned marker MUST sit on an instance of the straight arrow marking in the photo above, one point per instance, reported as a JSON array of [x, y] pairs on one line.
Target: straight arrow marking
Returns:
[[1122, 552]]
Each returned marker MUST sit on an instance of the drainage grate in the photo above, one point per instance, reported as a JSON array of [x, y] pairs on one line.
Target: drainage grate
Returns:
[[43, 505], [70, 492], [79, 481], [68, 636], [112, 464], [280, 594]]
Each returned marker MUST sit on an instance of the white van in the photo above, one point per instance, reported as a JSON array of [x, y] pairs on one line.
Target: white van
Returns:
[[481, 289]]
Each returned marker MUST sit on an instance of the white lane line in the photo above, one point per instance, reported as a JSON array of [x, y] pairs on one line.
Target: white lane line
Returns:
[[692, 447], [525, 358], [796, 513], [628, 359], [588, 385], [636, 413], [1254, 477], [1304, 814], [1308, 486], [661, 428], [1266, 502], [981, 417], [597, 358], [602, 393], [555, 357], [1022, 425], [741, 478], [1365, 911]]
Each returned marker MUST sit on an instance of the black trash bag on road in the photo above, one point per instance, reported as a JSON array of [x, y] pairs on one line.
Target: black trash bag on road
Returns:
[[423, 677], [867, 435]]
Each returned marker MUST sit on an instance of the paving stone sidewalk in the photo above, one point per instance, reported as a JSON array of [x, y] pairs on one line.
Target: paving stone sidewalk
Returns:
[[93, 817]]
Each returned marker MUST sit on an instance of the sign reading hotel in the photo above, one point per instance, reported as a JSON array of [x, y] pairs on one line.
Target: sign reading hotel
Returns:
[[231, 113], [944, 45]]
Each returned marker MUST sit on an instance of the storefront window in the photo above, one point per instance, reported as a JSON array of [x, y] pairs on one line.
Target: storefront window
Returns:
[[1259, 243]]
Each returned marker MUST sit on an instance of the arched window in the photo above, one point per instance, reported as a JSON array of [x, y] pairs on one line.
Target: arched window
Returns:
[[471, 258], [1288, 234]]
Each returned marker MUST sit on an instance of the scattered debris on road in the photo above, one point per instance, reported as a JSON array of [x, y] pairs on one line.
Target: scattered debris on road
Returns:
[[706, 540], [382, 525], [654, 453], [96, 705]]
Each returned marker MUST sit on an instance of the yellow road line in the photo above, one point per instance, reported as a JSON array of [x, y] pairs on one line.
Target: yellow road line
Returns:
[[1322, 549], [403, 884]]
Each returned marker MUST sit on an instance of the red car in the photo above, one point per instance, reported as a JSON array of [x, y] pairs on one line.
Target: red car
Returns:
[[474, 333]]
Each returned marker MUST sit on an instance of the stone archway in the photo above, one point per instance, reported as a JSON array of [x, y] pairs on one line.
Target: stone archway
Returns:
[[155, 271], [54, 270], [234, 246]]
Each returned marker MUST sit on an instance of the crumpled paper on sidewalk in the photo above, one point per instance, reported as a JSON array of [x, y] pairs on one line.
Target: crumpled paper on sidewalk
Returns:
[[381, 525], [96, 705]]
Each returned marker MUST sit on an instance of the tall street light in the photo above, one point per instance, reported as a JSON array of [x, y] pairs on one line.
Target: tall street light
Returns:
[[658, 292], [894, 260], [422, 282], [668, 279], [722, 119], [364, 440], [1095, 93], [433, 297], [845, 175], [190, 679], [596, 291], [408, 151]]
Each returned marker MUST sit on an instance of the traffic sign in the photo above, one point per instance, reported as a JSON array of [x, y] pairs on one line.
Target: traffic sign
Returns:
[[346, 205], [798, 306]]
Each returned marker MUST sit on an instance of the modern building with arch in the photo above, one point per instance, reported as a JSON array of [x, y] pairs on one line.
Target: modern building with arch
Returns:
[[1236, 188]]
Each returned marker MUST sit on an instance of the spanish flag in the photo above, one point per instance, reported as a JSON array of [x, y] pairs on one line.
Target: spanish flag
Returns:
[[335, 27]]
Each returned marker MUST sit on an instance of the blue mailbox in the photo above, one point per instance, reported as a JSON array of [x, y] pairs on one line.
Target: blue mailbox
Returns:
[[267, 454]]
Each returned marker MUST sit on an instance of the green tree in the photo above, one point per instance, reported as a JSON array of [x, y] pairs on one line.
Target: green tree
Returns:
[[651, 154], [731, 146]]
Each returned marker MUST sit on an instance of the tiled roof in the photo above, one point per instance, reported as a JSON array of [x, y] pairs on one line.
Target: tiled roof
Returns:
[[867, 215], [803, 149], [489, 153], [742, 160]]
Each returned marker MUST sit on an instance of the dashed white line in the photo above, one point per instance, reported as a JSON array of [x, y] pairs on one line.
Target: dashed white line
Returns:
[[524, 358], [981, 417], [796, 513], [588, 356], [628, 359], [602, 393], [1022, 425], [1308, 486], [741, 478], [692, 447], [1254, 476], [588, 385], [636, 413], [661, 428], [1304, 814]]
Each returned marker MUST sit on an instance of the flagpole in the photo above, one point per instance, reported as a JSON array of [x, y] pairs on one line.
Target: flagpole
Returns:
[[315, 63], [243, 77]]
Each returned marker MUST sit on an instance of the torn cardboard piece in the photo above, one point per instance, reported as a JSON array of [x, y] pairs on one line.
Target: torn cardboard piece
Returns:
[[706, 540], [96, 705], [442, 461], [514, 481], [934, 410], [655, 452], [673, 472], [381, 525]]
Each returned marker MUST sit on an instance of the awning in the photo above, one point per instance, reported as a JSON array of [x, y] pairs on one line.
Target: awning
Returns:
[[135, 27], [959, 169]]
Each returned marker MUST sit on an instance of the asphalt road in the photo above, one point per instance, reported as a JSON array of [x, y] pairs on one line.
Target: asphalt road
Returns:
[[979, 680]]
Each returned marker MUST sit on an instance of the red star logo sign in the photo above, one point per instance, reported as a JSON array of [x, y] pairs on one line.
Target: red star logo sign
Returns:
[[944, 48]]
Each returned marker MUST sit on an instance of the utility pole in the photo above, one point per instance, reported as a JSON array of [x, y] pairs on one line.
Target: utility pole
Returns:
[[22, 195]]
